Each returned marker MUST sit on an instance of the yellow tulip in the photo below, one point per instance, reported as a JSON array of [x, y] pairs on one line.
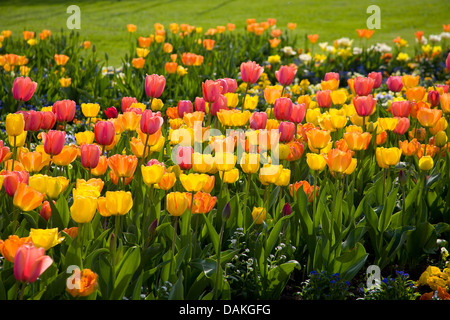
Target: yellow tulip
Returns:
[[250, 163], [176, 203], [48, 185], [315, 161], [387, 124], [270, 173], [426, 163], [230, 176], [83, 208], [85, 137], [118, 202], [387, 157], [193, 182], [202, 163], [14, 124], [20, 139], [152, 174], [258, 215], [232, 99], [284, 178], [90, 110], [45, 238], [251, 102]]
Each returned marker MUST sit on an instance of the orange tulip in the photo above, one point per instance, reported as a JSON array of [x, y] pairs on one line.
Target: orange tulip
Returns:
[[123, 166], [357, 141], [318, 139], [129, 120], [33, 161], [61, 59], [409, 148], [202, 203], [66, 157], [338, 161], [428, 117], [415, 94], [84, 285], [100, 169], [313, 38], [8, 247], [26, 198], [307, 188]]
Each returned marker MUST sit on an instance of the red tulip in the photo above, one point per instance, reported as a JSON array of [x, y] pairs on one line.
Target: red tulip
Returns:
[[331, 75], [223, 86], [23, 88], [364, 105], [286, 74], [323, 98], [200, 104], [184, 157], [53, 141], [154, 85], [30, 262], [433, 98], [282, 108], [5, 152], [447, 62], [111, 112], [33, 120], [46, 210], [402, 125], [90, 155], [298, 112], [377, 78], [104, 133], [401, 108], [211, 90], [65, 110], [219, 104], [287, 131], [126, 102], [251, 71], [258, 120], [185, 106], [231, 85], [48, 120], [363, 86], [12, 180], [151, 121], [394, 83]]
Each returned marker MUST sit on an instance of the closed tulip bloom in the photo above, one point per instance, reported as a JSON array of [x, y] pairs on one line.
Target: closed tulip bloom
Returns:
[[32, 119], [46, 211], [284, 178], [323, 98], [211, 90], [33, 161], [184, 157], [45, 238], [123, 166], [48, 120], [387, 124], [176, 203], [394, 83], [230, 176], [258, 215], [83, 208], [357, 141], [111, 113], [258, 120], [402, 126], [219, 104], [447, 62], [318, 139], [167, 181], [12, 179], [154, 85], [9, 247], [201, 202], [410, 81], [377, 78], [15, 124], [152, 174], [184, 106], [338, 161], [338, 97], [298, 113], [26, 198], [90, 155], [231, 85], [433, 98], [401, 108], [251, 102], [250, 71], [126, 102], [331, 85], [193, 182], [387, 157], [64, 110], [151, 122], [415, 94], [286, 74], [283, 108], [129, 120], [364, 105], [200, 104], [269, 173], [30, 262], [90, 110], [363, 85], [445, 102], [84, 137], [104, 132], [250, 162], [426, 163], [53, 141], [48, 185], [316, 162], [118, 202], [23, 88], [428, 118], [287, 131]]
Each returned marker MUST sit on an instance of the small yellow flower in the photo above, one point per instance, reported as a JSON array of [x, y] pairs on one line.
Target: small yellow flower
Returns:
[[45, 238]]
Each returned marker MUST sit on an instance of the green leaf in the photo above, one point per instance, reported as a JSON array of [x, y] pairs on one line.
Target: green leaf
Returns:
[[212, 233], [126, 268], [278, 277], [388, 209], [177, 291]]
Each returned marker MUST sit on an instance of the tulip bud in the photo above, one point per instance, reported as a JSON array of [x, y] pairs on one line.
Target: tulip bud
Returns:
[[46, 211], [287, 210], [440, 139], [226, 212], [402, 178], [433, 98], [111, 112], [426, 163]]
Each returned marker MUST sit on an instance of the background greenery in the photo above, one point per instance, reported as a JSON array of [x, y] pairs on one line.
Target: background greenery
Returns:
[[104, 22]]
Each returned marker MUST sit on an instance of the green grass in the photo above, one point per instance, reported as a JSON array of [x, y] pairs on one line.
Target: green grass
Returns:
[[104, 22]]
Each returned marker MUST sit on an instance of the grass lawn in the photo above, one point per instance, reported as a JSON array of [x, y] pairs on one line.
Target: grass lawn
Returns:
[[104, 22]]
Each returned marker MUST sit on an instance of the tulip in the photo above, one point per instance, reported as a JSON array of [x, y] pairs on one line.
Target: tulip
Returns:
[[230, 176], [287, 131], [83, 208], [318, 139], [428, 118], [316, 162], [415, 94], [193, 182], [201, 203], [200, 104], [104, 132], [167, 181], [363, 86], [23, 88], [269, 173], [258, 215], [219, 104], [26, 198], [447, 62], [231, 85], [123, 166], [48, 120], [46, 211], [30, 262], [90, 155], [150, 122], [298, 113], [286, 74], [111, 112], [14, 124], [85, 285], [250, 72], [357, 141], [154, 85], [118, 203], [64, 110], [364, 105], [184, 106], [32, 119], [48, 185], [184, 157], [401, 108], [258, 120], [129, 120], [377, 78], [338, 97], [283, 108], [176, 203], [67, 155], [152, 174], [338, 161], [433, 98], [394, 83], [331, 85], [426, 163], [53, 141], [410, 81], [387, 157], [402, 126], [323, 98], [284, 178], [126, 102], [9, 247], [445, 102], [45, 238], [211, 91], [409, 148], [250, 162], [90, 110], [12, 179]]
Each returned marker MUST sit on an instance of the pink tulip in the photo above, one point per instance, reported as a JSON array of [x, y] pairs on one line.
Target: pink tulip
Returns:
[[104, 133], [23, 88], [377, 78], [331, 76], [65, 110], [394, 83], [363, 86], [447, 61], [251, 71], [30, 262], [185, 106], [200, 104], [364, 105], [33, 120], [286, 74], [402, 125], [219, 104], [433, 98], [401, 108], [231, 85], [211, 90], [151, 121], [287, 131], [258, 120], [323, 98], [154, 85], [298, 112], [48, 120], [13, 179], [111, 112], [282, 108], [443, 86], [184, 157], [223, 86], [126, 102], [90, 155], [53, 141]]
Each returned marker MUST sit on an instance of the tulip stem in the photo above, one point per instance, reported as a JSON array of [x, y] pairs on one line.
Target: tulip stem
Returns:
[[218, 268], [22, 290]]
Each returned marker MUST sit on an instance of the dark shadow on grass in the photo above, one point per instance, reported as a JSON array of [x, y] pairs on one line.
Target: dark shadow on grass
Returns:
[[220, 5]]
